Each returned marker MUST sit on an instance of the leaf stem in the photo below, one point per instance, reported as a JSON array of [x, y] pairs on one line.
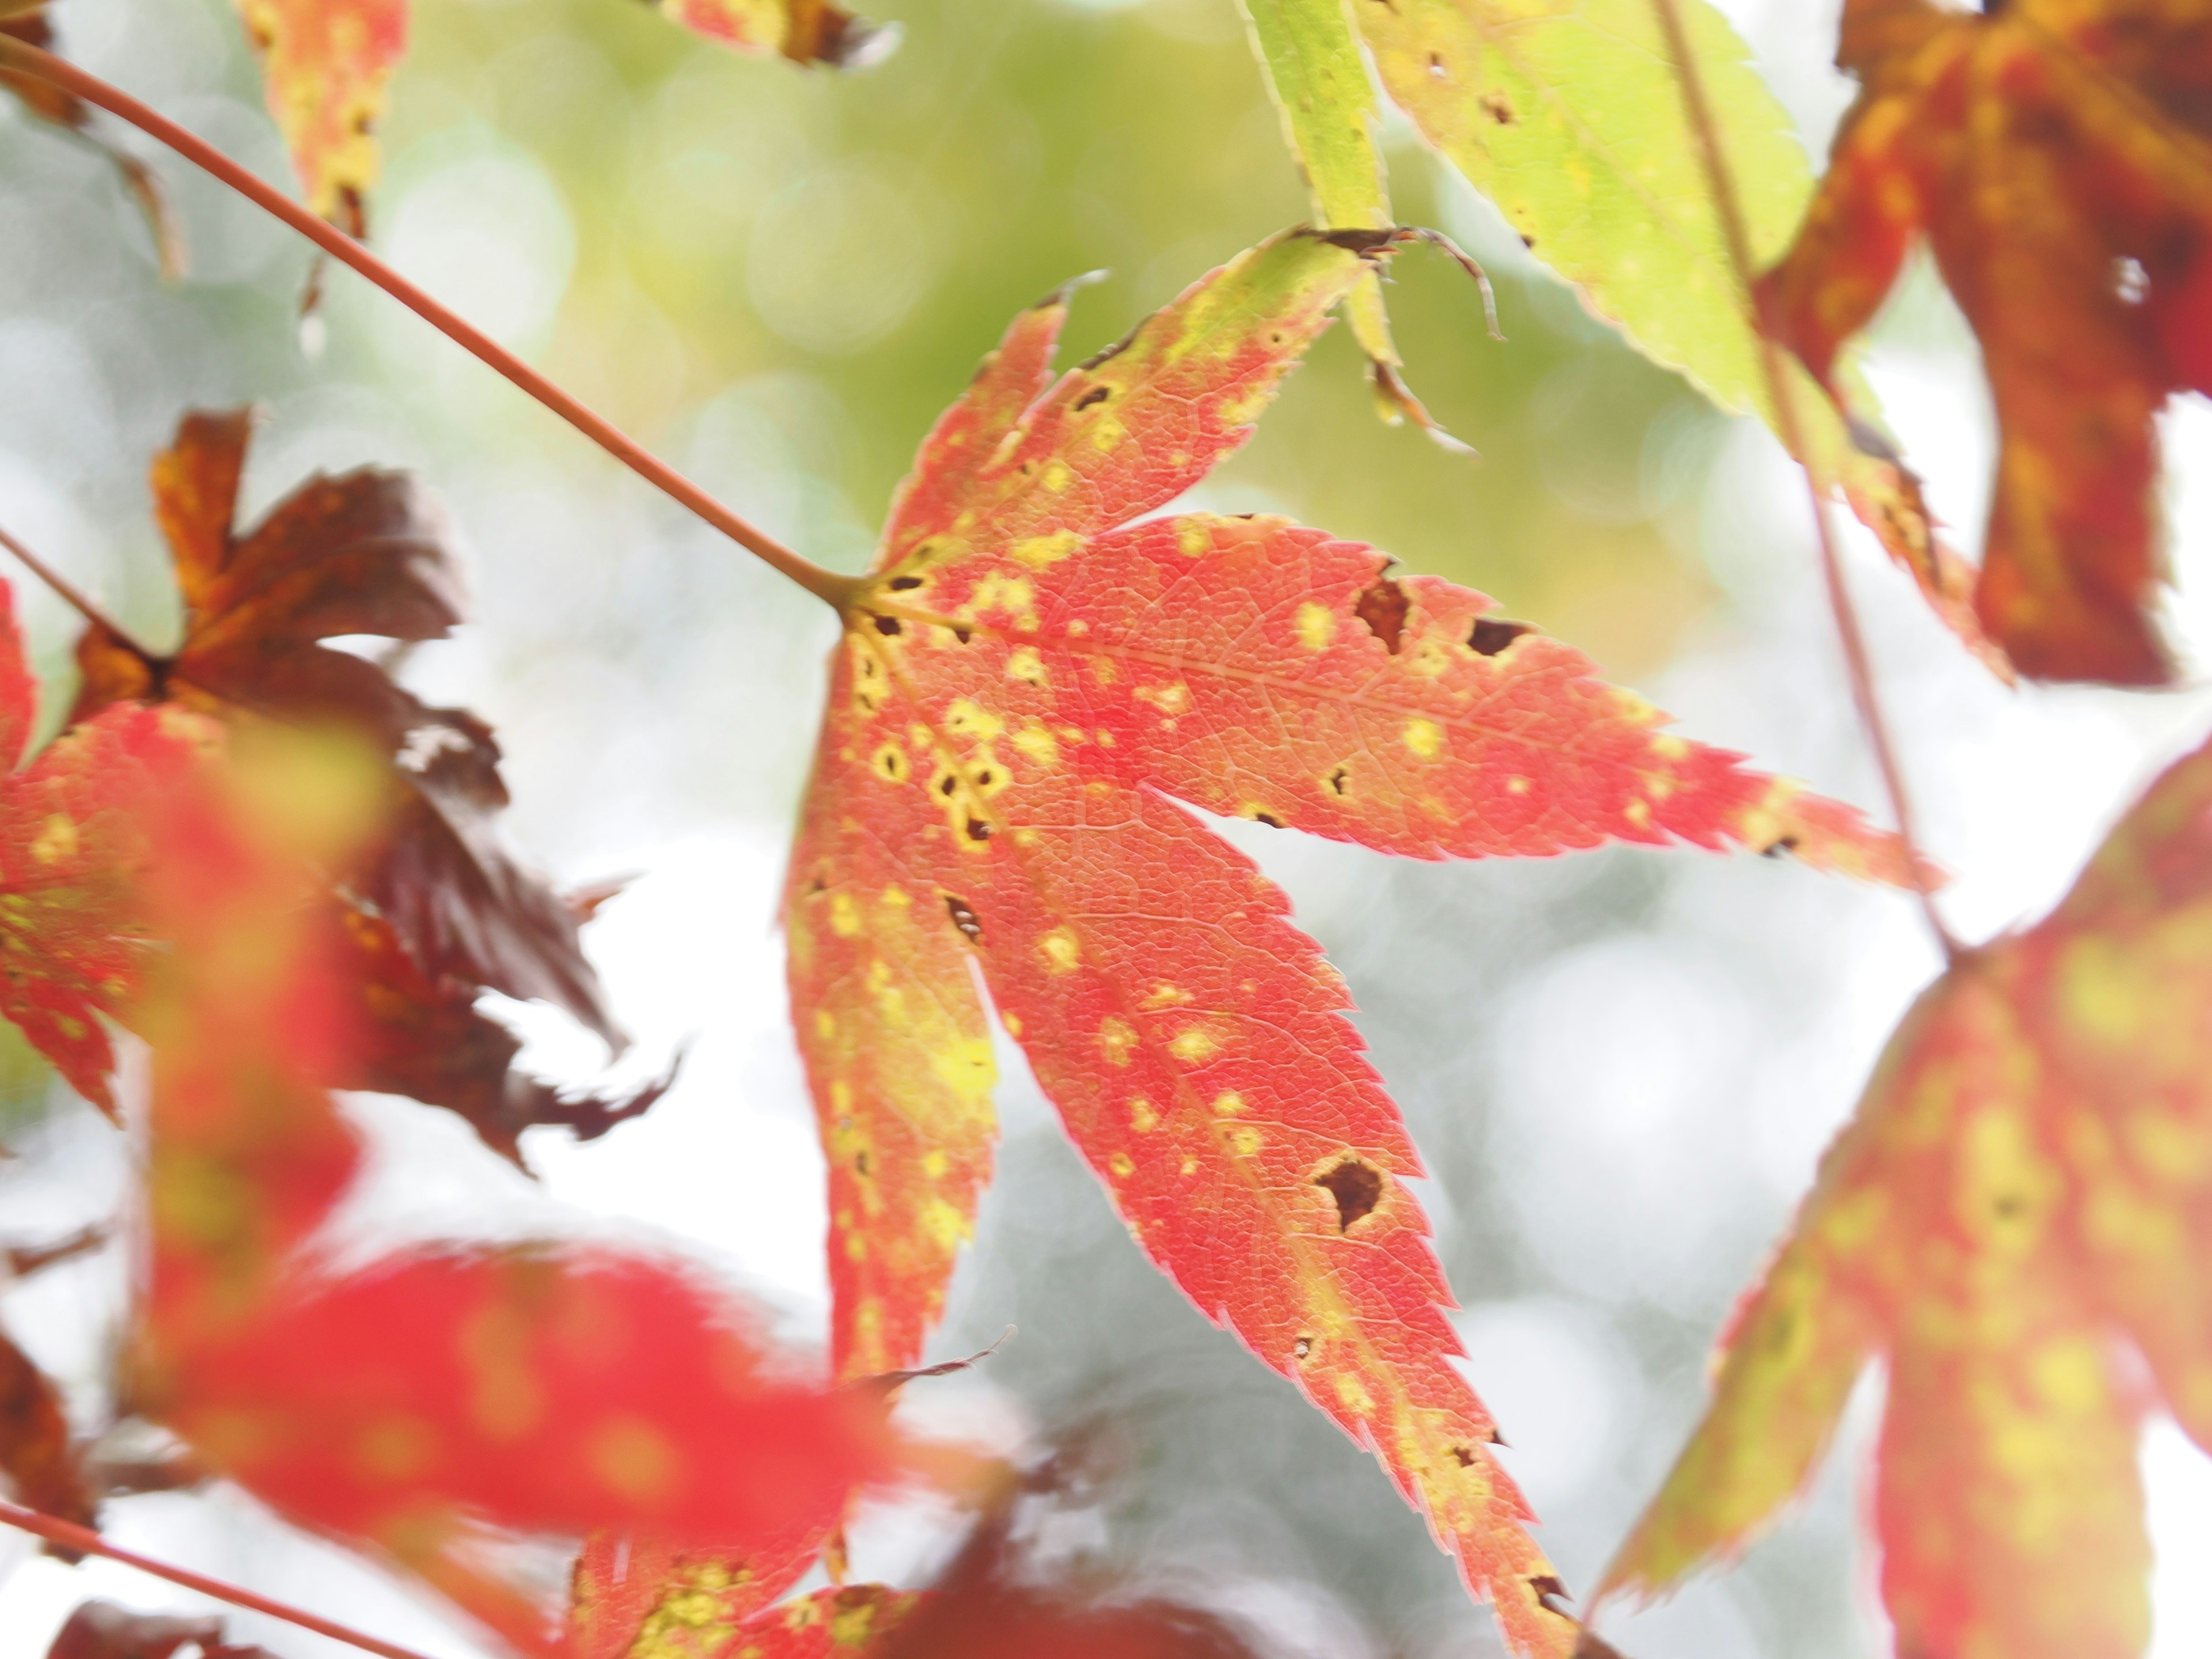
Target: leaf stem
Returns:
[[71, 594], [833, 589], [72, 1536], [1705, 132]]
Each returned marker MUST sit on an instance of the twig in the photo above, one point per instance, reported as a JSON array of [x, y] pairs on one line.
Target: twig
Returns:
[[75, 1537], [827, 585], [71, 594], [1856, 661]]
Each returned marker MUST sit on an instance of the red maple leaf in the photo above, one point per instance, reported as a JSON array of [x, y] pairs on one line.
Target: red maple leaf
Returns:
[[1032, 680]]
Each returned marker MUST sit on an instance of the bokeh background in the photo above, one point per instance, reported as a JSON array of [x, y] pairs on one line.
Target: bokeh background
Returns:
[[1621, 1066]]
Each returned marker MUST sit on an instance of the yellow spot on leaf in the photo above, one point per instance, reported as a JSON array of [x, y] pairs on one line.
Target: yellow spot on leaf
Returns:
[[1192, 539], [1039, 551], [1316, 625], [1123, 1165], [1061, 952], [1637, 812], [934, 1163], [1056, 477], [1039, 745], [1425, 737], [1024, 664], [1115, 1038], [56, 840], [634, 1459], [967, 718], [1194, 1045], [1228, 1104], [844, 915], [1244, 1140], [1142, 1116], [1168, 699], [1516, 785]]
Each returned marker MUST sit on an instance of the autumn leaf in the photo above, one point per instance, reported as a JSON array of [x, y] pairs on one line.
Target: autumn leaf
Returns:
[[804, 31], [1031, 673], [65, 110], [75, 938], [410, 1404], [103, 1629], [434, 908], [630, 1592], [1570, 120], [2058, 157], [326, 64], [2025, 1181], [41, 1465]]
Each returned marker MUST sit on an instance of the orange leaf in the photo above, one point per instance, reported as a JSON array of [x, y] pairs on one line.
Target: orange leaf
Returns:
[[327, 63], [2026, 1183], [1025, 681], [804, 31], [2055, 153]]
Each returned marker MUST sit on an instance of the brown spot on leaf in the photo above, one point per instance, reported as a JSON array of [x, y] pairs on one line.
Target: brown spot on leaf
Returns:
[[964, 918], [977, 829], [1383, 607], [1356, 1187], [1497, 108], [1098, 394], [1491, 634], [903, 584], [1776, 848], [888, 625], [1338, 782], [963, 635]]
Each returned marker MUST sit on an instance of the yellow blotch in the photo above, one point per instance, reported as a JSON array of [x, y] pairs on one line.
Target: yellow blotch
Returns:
[[2106, 994], [634, 1459], [966, 1069], [841, 1096], [934, 1163], [1116, 1037], [398, 1449], [1637, 812], [1040, 551], [1171, 700], [1163, 995], [844, 915], [1425, 737], [1316, 625], [1061, 952], [1228, 1104], [1011, 1022], [2171, 1147], [1245, 410], [967, 718], [1056, 477], [1108, 434], [1188, 1166], [1194, 1045], [57, 840], [1039, 745], [1667, 746], [1354, 1393], [889, 763], [1192, 538], [1104, 671], [1244, 1140], [1430, 657], [825, 1024], [898, 898], [1123, 1165], [1142, 1118], [1024, 664], [943, 1224], [2069, 1374], [1516, 785]]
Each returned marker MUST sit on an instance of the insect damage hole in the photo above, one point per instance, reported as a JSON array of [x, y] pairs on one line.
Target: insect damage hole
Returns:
[[1383, 607], [890, 625], [1098, 394], [1356, 1187], [1491, 634], [964, 918], [903, 584]]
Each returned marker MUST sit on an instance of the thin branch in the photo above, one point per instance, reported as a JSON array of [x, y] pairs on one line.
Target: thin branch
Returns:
[[828, 586], [72, 1536], [71, 594], [1706, 134]]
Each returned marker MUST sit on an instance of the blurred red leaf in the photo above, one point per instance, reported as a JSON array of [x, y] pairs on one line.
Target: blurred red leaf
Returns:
[[2058, 159], [41, 1465]]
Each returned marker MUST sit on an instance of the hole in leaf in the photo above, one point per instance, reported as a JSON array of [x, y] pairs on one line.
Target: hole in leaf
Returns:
[[889, 625], [964, 918], [1464, 1456], [1356, 1187], [948, 785], [902, 584], [1268, 819], [1338, 782], [1382, 608], [963, 635], [1302, 1347], [1491, 634], [977, 829]]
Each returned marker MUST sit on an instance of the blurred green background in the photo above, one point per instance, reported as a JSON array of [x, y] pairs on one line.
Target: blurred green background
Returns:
[[1621, 1066]]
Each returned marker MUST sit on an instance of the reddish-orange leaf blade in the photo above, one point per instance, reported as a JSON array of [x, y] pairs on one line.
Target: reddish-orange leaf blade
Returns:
[[967, 434], [1262, 670], [327, 63], [897, 1051], [855, 1621], [1022, 683]]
